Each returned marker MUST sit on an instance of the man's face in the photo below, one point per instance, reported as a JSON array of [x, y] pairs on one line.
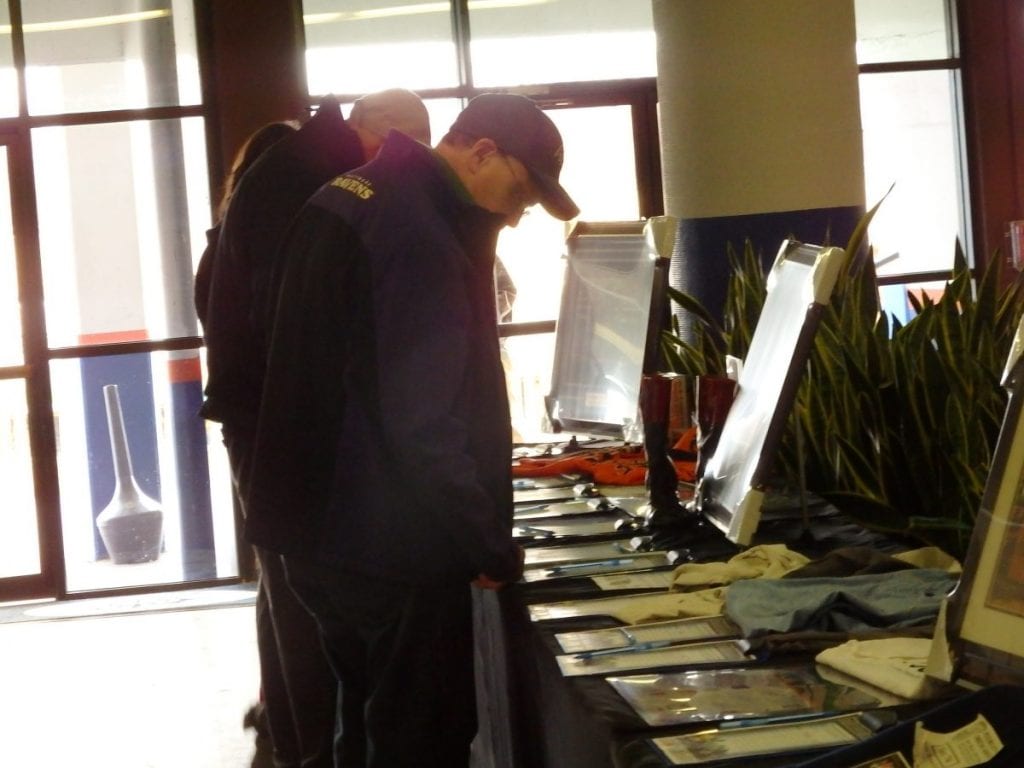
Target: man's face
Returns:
[[505, 187]]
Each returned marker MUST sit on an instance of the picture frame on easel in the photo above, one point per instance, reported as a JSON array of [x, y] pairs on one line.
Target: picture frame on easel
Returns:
[[985, 622]]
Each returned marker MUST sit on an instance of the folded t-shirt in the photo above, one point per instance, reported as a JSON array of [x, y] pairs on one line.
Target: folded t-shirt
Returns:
[[894, 664], [768, 561]]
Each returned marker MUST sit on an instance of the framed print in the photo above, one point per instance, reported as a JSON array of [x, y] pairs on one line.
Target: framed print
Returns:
[[673, 632], [736, 743], [618, 567], [986, 612], [730, 492], [711, 695], [656, 655], [613, 309], [560, 555], [636, 609]]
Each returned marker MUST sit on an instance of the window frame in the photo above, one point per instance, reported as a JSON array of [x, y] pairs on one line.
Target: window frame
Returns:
[[16, 133], [954, 66]]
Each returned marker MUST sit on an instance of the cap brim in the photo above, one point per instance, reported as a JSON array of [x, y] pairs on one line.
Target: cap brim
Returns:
[[554, 198]]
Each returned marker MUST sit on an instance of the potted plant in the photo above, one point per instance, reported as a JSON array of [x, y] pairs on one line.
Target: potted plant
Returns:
[[894, 423]]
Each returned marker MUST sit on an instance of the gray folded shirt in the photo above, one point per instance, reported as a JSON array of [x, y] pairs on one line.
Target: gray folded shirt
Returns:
[[841, 603]]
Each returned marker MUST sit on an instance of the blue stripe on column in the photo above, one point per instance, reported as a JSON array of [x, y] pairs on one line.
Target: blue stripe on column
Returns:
[[198, 556], [700, 266]]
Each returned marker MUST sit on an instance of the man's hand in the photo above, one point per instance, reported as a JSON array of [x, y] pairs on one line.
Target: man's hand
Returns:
[[486, 582]]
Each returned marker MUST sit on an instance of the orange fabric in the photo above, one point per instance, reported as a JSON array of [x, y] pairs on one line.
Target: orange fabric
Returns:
[[687, 443], [625, 466]]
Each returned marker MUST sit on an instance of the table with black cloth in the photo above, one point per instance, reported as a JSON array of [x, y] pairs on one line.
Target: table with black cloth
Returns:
[[533, 717]]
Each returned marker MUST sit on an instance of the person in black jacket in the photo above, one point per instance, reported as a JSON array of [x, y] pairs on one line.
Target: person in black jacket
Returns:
[[257, 143], [299, 690], [385, 425]]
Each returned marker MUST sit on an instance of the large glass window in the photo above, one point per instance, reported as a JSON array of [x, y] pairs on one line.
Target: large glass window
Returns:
[[908, 30], [8, 79], [117, 242], [110, 214], [911, 144], [93, 55], [912, 122], [354, 47], [11, 346], [543, 41], [910, 110], [367, 45], [19, 535], [603, 184]]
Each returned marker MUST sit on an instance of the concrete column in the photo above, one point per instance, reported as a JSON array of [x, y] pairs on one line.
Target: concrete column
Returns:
[[760, 129], [157, 50]]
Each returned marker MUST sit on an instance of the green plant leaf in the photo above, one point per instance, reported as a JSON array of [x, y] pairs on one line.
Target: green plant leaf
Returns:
[[860, 231], [897, 420], [690, 304]]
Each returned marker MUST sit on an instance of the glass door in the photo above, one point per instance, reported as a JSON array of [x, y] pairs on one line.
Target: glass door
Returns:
[[111, 482], [30, 565]]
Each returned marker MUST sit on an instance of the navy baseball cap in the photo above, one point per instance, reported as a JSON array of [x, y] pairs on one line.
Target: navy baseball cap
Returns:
[[521, 129]]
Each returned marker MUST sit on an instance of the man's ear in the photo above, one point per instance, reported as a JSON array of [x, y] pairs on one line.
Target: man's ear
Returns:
[[481, 150]]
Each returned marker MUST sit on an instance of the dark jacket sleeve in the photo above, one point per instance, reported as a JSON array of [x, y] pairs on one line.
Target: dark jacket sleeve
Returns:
[[201, 289], [303, 400]]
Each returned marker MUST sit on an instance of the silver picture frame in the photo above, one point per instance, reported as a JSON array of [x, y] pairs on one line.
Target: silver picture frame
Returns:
[[985, 622]]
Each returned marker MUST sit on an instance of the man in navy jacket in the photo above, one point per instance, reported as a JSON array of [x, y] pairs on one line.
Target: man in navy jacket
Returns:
[[385, 417], [299, 689]]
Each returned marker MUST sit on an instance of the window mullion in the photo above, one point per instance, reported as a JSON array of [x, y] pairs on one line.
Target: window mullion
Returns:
[[461, 38]]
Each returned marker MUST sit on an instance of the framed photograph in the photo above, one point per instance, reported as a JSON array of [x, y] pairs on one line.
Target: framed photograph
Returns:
[[617, 569], [644, 608], [696, 696], [614, 306], [731, 490], [675, 631], [789, 738], [560, 555], [660, 655], [986, 612]]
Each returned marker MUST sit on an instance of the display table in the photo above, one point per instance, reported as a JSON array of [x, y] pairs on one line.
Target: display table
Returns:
[[533, 717]]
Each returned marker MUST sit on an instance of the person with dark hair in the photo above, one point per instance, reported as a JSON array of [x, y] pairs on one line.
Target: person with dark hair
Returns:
[[300, 693], [384, 424], [257, 143]]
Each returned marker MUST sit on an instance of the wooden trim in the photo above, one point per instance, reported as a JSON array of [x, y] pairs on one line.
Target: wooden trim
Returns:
[[924, 65], [992, 52], [254, 71], [526, 329], [176, 343]]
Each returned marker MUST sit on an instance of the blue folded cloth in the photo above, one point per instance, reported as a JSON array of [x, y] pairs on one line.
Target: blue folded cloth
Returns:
[[838, 604]]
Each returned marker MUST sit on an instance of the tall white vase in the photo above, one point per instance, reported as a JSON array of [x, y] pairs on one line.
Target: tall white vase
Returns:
[[131, 525]]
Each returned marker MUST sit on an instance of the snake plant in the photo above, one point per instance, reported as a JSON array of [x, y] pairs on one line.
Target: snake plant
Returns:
[[897, 422]]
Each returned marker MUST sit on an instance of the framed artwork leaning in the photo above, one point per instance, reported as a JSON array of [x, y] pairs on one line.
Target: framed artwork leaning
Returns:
[[986, 612], [613, 309], [731, 491]]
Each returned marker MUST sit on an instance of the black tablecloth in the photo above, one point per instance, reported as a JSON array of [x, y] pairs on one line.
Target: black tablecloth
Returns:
[[533, 717]]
